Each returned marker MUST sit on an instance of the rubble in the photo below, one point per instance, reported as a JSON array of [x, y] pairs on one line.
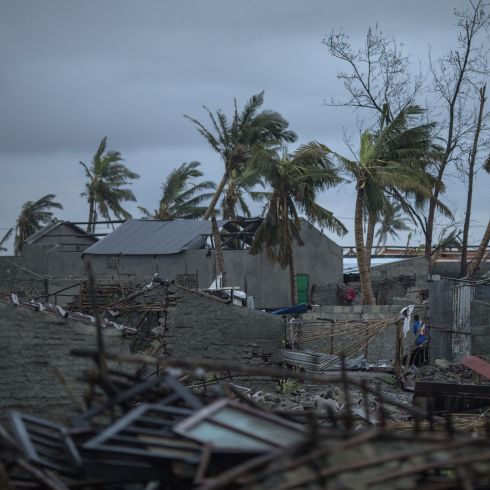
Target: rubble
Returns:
[[326, 418], [141, 432]]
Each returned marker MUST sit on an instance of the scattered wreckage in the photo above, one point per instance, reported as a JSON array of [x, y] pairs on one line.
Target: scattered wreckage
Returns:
[[149, 423]]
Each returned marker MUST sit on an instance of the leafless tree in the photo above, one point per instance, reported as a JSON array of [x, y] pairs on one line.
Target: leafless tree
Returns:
[[378, 75], [470, 172], [454, 77]]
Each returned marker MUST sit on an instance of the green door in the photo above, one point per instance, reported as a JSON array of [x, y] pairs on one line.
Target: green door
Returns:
[[302, 287]]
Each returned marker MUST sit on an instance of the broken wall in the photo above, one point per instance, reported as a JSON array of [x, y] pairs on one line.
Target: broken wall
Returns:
[[34, 345], [200, 326]]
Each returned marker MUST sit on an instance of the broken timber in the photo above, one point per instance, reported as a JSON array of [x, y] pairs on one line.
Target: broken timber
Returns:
[[450, 397]]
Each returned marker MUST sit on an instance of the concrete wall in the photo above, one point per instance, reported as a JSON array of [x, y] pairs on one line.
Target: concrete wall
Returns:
[[53, 261], [452, 268], [320, 258], [15, 278], [35, 343], [202, 327], [393, 280], [418, 267]]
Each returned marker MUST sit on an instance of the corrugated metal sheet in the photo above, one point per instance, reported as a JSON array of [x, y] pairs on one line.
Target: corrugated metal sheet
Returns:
[[441, 315], [151, 237], [461, 339]]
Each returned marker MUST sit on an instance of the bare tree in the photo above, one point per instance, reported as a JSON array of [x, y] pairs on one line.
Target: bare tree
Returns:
[[453, 77], [471, 174], [378, 76], [479, 255]]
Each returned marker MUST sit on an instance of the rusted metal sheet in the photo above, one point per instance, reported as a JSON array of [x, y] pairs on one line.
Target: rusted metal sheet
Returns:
[[477, 365]]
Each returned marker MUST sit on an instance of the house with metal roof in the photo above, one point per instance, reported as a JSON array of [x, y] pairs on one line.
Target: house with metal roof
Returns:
[[184, 250]]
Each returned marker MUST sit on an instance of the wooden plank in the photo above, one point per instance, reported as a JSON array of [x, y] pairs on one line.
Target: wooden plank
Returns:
[[426, 388]]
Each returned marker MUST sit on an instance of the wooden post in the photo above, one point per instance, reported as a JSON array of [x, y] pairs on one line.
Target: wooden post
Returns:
[[398, 349]]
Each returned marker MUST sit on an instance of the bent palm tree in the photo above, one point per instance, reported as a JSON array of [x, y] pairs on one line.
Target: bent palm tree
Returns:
[[104, 189], [31, 219], [181, 198], [236, 140], [295, 181], [392, 160]]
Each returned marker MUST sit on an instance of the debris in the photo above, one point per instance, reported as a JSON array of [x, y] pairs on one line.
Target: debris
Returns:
[[451, 397], [477, 365]]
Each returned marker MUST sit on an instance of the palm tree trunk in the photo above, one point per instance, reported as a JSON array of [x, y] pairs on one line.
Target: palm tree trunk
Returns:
[[229, 204], [216, 196], [471, 173], [475, 263], [370, 238], [292, 276], [91, 210], [366, 289], [220, 259]]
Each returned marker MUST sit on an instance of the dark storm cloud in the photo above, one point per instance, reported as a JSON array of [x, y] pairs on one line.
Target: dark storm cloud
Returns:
[[74, 71]]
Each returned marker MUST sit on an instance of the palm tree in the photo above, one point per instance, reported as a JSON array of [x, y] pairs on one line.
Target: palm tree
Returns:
[[5, 238], [33, 216], [392, 221], [392, 160], [104, 189], [236, 140], [239, 184], [295, 179], [180, 197]]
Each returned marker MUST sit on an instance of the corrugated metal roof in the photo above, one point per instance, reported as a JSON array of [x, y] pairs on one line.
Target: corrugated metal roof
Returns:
[[152, 237]]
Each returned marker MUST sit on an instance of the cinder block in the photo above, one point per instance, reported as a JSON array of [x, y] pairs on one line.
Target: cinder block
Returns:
[[338, 309], [357, 308]]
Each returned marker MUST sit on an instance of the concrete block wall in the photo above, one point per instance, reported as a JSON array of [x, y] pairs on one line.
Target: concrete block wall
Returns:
[[418, 267], [33, 345], [353, 312], [203, 327]]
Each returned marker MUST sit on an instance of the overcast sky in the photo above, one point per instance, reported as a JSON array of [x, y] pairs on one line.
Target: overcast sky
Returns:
[[75, 71]]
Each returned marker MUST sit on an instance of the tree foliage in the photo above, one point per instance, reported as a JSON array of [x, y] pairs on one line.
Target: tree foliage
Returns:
[[181, 198], [296, 180], [33, 216], [236, 139], [105, 187]]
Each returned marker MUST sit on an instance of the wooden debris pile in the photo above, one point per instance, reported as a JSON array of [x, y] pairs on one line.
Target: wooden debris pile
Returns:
[[150, 431]]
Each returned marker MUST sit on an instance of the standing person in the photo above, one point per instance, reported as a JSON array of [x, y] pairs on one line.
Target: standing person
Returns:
[[420, 354]]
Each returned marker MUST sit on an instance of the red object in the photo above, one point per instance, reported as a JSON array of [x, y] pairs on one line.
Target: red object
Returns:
[[349, 295], [477, 365]]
